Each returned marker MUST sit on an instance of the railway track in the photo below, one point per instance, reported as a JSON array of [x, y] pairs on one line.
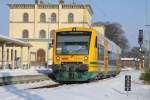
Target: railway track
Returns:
[[68, 83], [62, 84], [48, 86]]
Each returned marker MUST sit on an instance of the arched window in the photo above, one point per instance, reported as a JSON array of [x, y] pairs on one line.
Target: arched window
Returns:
[[42, 34], [25, 17], [70, 18], [25, 34], [53, 18], [52, 34], [43, 18]]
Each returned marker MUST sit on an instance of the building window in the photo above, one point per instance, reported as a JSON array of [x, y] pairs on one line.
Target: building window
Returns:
[[25, 17], [53, 18], [70, 18], [25, 34], [43, 18], [42, 34], [52, 34]]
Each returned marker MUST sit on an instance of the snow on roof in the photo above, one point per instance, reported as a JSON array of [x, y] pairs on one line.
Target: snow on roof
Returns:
[[10, 41], [127, 58]]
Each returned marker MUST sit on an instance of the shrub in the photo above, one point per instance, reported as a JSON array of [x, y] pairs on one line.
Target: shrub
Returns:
[[146, 76]]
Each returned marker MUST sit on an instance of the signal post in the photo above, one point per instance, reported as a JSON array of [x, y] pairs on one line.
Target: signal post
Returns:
[[140, 41]]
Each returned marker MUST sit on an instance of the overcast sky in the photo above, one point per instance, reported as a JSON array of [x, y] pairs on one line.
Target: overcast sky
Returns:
[[131, 14]]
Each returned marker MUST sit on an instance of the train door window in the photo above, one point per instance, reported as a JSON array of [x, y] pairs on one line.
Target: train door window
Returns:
[[101, 52], [115, 59], [110, 57], [96, 42]]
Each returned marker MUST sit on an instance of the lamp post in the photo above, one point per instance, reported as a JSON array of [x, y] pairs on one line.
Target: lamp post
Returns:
[[147, 53], [149, 48], [148, 36], [50, 46], [140, 41], [49, 21], [148, 41]]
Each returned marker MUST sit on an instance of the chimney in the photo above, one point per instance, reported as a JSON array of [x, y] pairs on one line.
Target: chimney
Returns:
[[36, 1], [39, 2], [61, 1]]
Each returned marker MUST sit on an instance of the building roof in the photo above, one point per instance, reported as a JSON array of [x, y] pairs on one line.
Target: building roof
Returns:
[[11, 42], [51, 6]]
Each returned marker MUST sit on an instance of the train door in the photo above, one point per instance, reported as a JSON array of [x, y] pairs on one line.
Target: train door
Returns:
[[106, 67], [41, 57]]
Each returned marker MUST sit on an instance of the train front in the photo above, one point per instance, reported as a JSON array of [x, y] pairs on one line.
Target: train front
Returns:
[[71, 54]]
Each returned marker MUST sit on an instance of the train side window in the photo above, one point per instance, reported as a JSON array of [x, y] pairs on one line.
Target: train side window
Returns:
[[101, 52], [98, 52], [110, 60], [96, 42]]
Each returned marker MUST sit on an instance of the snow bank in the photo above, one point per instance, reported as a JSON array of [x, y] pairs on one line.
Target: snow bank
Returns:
[[21, 72]]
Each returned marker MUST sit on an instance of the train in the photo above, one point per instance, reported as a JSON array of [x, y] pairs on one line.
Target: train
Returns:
[[82, 54]]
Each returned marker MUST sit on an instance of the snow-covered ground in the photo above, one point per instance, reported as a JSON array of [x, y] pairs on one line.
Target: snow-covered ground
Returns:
[[20, 72], [107, 89]]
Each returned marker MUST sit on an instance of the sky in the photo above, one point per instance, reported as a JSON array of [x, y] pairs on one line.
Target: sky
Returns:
[[131, 14]]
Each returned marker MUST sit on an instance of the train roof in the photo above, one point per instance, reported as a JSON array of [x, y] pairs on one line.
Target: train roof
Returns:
[[75, 28]]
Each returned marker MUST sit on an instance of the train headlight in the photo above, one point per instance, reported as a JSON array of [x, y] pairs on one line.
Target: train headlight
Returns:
[[74, 29], [57, 57], [85, 58]]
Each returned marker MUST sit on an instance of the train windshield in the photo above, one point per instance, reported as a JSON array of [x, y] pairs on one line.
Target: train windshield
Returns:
[[72, 43]]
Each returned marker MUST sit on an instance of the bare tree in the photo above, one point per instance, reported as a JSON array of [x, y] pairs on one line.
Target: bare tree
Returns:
[[115, 33], [133, 52]]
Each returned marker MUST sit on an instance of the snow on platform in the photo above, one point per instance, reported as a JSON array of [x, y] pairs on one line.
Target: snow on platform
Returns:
[[107, 89], [22, 72]]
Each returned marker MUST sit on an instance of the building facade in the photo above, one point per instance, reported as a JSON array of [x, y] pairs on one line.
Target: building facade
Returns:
[[36, 23]]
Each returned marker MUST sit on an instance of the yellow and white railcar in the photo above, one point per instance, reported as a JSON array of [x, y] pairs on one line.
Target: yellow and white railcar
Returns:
[[81, 54]]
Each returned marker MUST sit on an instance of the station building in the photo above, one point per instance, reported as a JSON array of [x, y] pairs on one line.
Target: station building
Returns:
[[36, 24], [8, 53]]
